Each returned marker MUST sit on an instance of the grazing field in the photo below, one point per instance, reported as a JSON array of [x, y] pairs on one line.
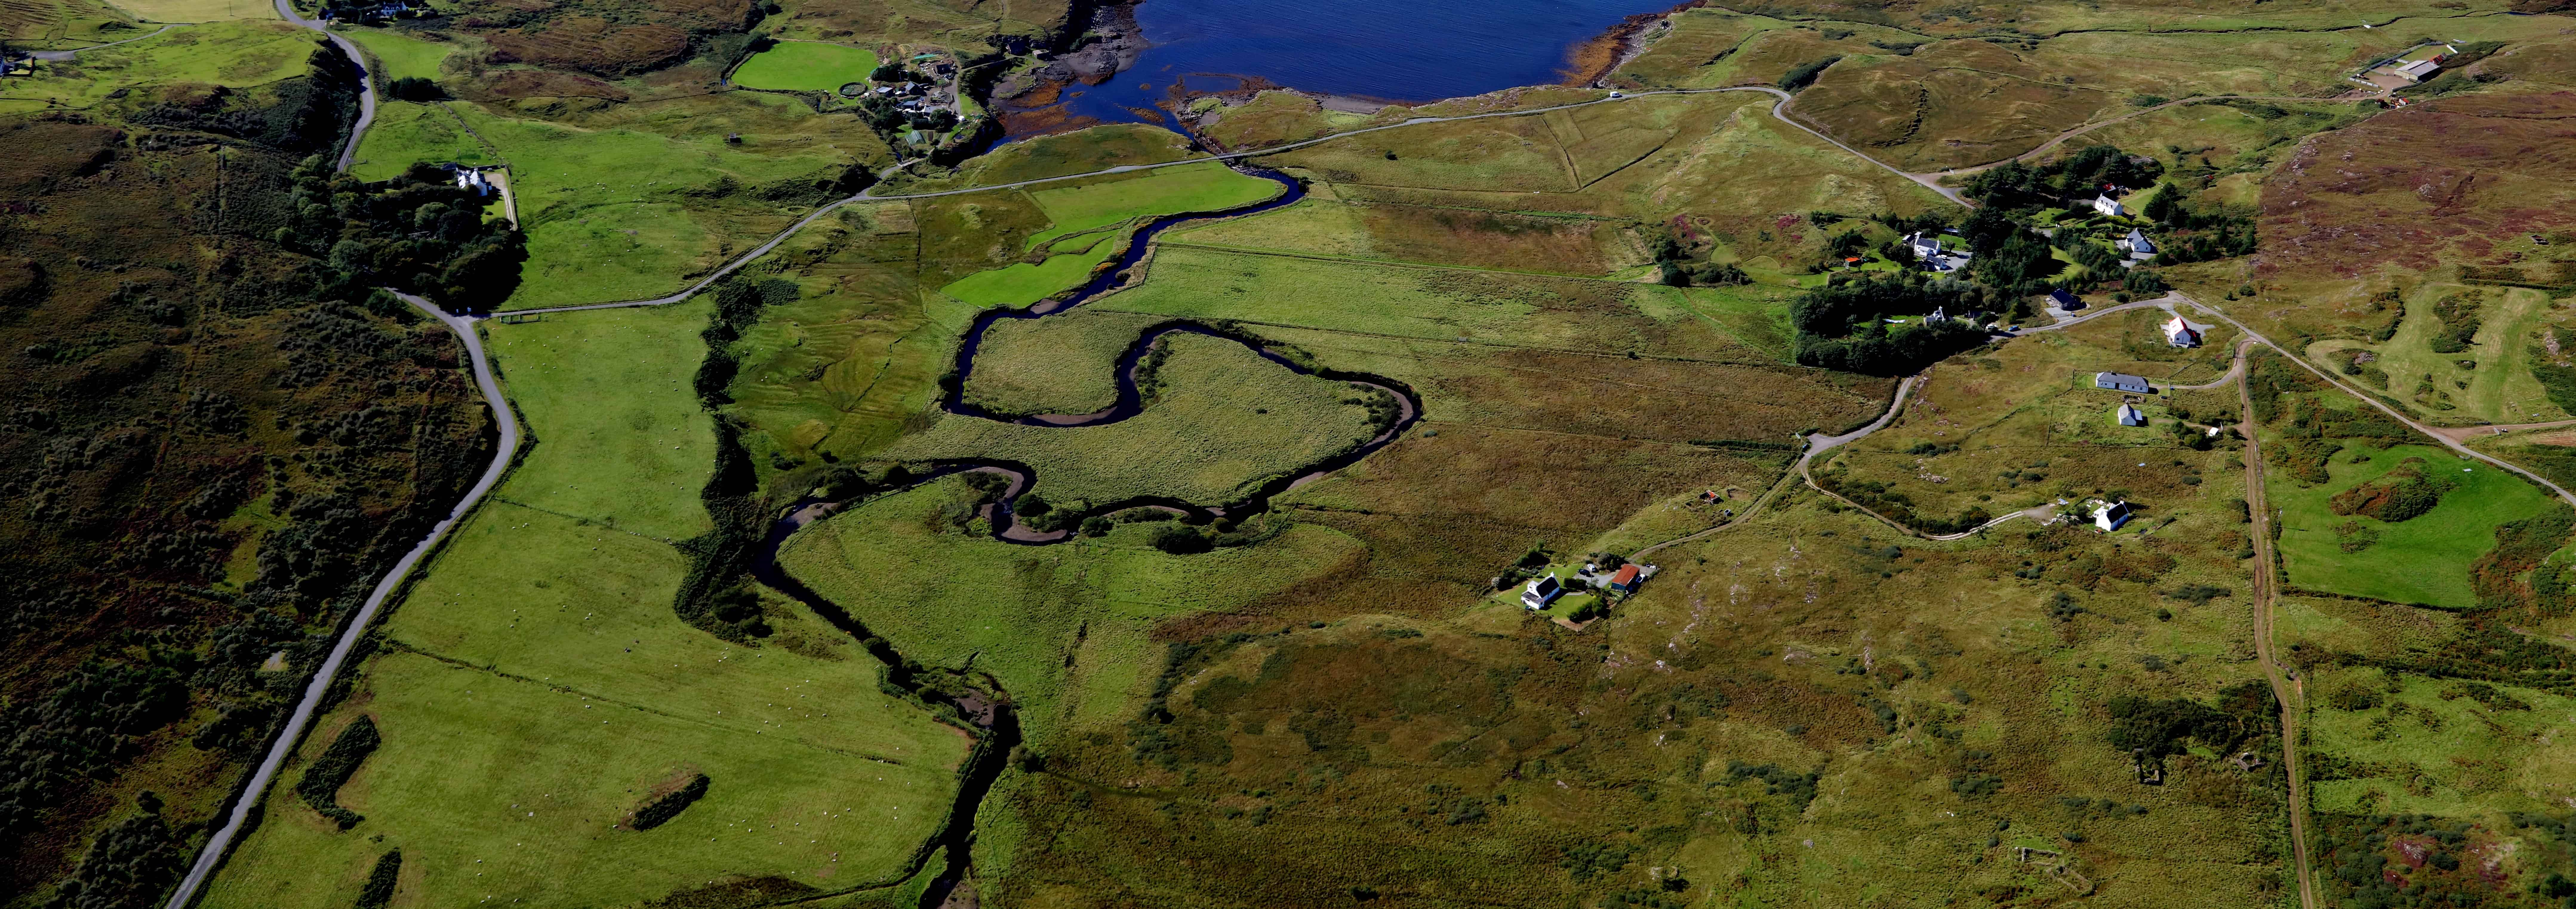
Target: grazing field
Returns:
[[2425, 560], [237, 54], [2486, 381], [1058, 364], [197, 10], [1021, 284], [399, 55], [2414, 755], [632, 207], [1085, 206], [1440, 235], [806, 66], [405, 133], [1078, 152], [1445, 304], [1225, 420], [518, 737], [616, 391]]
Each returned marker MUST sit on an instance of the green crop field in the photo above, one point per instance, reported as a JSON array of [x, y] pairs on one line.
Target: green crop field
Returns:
[[536, 687], [2424, 560], [1226, 420], [399, 55], [1091, 205], [806, 66]]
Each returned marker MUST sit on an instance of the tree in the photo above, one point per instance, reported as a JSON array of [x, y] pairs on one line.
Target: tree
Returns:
[[415, 88]]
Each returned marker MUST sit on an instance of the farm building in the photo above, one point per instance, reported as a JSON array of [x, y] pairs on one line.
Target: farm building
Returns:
[[2063, 300], [1630, 577], [2421, 70], [1541, 591], [2181, 334], [2129, 416], [2110, 516], [2120, 381]]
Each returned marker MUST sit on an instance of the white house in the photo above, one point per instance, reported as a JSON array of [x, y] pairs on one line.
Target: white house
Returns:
[[1926, 246], [2421, 70], [471, 180], [1938, 316], [2104, 204], [2137, 245], [2130, 416], [2181, 334], [1541, 591], [2110, 517], [2120, 381]]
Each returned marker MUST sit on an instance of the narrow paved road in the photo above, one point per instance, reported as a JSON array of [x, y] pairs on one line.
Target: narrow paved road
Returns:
[[2287, 692], [284, 745], [69, 54], [366, 80], [2465, 433]]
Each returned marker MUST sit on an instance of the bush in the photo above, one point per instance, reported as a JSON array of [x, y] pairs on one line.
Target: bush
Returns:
[[1805, 74], [320, 787], [415, 88], [1181, 539], [662, 810], [379, 890]]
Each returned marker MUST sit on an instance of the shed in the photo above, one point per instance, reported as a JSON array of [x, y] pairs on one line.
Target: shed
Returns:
[[2063, 300], [2421, 70], [2129, 416], [2118, 381]]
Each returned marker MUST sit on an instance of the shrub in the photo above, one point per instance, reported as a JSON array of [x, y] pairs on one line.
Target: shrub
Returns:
[[379, 890], [661, 810], [415, 88], [1805, 74], [320, 787], [1181, 539]]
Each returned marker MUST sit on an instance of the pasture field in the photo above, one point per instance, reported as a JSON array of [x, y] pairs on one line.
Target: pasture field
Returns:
[[1438, 235], [518, 737], [1225, 420], [806, 66], [611, 395], [632, 208], [1057, 364], [197, 10], [64, 23], [1445, 304], [239, 54], [1062, 154], [2414, 751], [1020, 284], [405, 132], [2424, 560], [397, 55], [1091, 205]]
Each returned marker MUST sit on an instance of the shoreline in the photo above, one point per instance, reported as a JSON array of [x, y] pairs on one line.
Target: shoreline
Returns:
[[1590, 63]]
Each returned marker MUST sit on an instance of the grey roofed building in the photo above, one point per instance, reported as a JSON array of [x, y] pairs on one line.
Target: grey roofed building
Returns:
[[2129, 416], [2117, 381], [2065, 300], [2137, 245]]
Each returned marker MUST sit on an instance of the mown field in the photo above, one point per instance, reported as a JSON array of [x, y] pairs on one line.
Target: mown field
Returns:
[[2424, 560], [536, 688], [400, 55], [806, 66]]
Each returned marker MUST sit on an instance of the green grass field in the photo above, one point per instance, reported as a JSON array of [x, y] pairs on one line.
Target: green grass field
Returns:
[[1092, 205], [399, 55], [405, 133], [198, 10], [535, 687], [238, 54], [631, 210], [616, 391], [1021, 284], [1429, 234], [2440, 753], [806, 66], [1057, 364], [1227, 419], [2497, 375], [2424, 560]]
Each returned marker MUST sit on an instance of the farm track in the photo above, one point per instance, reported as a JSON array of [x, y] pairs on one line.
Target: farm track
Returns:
[[221, 842], [2288, 692]]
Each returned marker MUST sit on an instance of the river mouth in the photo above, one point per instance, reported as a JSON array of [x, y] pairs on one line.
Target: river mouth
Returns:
[[1362, 53]]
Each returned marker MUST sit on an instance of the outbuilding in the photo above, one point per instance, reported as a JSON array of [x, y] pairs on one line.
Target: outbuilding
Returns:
[[2120, 381], [2129, 415], [2421, 70]]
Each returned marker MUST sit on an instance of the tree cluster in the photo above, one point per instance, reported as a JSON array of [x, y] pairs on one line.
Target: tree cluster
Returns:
[[418, 231], [1841, 325], [2014, 185]]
